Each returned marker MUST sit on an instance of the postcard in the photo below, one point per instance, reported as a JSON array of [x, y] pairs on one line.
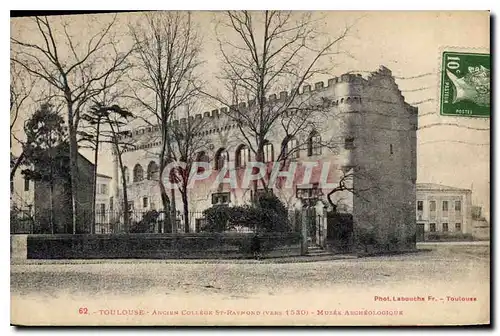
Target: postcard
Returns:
[[250, 168]]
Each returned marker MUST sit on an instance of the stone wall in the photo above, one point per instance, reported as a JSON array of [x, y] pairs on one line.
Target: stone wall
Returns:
[[159, 246]]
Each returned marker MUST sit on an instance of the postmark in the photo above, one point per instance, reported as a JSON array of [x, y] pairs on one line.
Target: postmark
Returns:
[[465, 84]]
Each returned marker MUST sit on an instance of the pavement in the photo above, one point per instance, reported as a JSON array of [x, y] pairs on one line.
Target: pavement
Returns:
[[55, 293], [422, 247]]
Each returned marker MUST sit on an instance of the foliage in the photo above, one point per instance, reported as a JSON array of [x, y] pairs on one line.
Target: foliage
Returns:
[[217, 219], [46, 145], [147, 223], [272, 202], [267, 214]]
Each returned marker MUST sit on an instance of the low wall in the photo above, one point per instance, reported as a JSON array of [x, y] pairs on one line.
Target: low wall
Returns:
[[159, 246], [18, 246]]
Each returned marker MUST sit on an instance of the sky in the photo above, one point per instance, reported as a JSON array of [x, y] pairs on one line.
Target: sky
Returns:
[[453, 151]]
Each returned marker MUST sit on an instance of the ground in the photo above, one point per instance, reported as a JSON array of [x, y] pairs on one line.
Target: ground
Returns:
[[455, 275]]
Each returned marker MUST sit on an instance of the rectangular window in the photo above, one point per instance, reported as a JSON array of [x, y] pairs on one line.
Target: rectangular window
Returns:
[[221, 198], [292, 149], [144, 202], [432, 227], [349, 143], [458, 226], [26, 184], [111, 203], [458, 206], [445, 227], [432, 205], [420, 205], [104, 189], [445, 206]]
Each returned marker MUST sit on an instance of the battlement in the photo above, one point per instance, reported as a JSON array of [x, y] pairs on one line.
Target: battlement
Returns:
[[283, 96]]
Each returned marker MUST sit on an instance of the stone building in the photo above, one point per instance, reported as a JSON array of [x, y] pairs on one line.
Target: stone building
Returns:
[[443, 210], [374, 130], [60, 220], [103, 203]]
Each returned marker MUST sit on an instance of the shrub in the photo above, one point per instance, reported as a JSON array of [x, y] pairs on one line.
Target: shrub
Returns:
[[267, 214], [217, 219], [146, 224]]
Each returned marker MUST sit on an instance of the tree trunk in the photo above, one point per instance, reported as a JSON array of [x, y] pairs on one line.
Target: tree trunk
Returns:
[[73, 159], [167, 221], [51, 206], [16, 166], [126, 217], [184, 195], [94, 196]]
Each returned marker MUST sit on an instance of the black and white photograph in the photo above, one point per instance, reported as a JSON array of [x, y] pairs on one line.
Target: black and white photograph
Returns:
[[250, 168]]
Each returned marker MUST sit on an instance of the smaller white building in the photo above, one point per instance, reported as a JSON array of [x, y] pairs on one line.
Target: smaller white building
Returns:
[[443, 209], [103, 204]]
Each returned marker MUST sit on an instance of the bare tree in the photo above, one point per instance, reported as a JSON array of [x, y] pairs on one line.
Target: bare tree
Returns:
[[21, 87], [265, 53], [187, 143], [77, 68], [167, 57]]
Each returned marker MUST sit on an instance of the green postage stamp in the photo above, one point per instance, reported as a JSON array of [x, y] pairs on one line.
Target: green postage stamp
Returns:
[[465, 84]]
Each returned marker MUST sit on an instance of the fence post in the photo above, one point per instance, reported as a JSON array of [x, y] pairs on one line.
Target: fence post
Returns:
[[303, 227]]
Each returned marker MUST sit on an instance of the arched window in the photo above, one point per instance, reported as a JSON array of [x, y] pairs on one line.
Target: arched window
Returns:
[[242, 156], [268, 152], [290, 148], [126, 174], [138, 173], [221, 158], [314, 144], [153, 171]]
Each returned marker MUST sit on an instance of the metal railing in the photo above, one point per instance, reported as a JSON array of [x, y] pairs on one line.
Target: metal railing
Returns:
[[113, 222]]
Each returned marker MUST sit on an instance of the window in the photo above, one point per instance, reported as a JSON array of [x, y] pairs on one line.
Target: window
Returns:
[[130, 205], [144, 202], [221, 198], [127, 176], [432, 227], [290, 147], [432, 205], [242, 156], [420, 205], [153, 171], [391, 149], [445, 206], [445, 227], [26, 184], [221, 158], [138, 173], [308, 193], [268, 152], [458, 206], [111, 203], [349, 143], [458, 226], [314, 144]]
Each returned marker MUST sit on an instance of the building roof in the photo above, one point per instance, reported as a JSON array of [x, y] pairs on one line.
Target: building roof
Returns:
[[103, 176], [435, 186]]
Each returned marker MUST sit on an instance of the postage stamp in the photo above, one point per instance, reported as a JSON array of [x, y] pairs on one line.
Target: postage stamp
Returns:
[[465, 84]]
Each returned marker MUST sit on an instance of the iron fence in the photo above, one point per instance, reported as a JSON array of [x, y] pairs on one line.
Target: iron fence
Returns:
[[112, 222]]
